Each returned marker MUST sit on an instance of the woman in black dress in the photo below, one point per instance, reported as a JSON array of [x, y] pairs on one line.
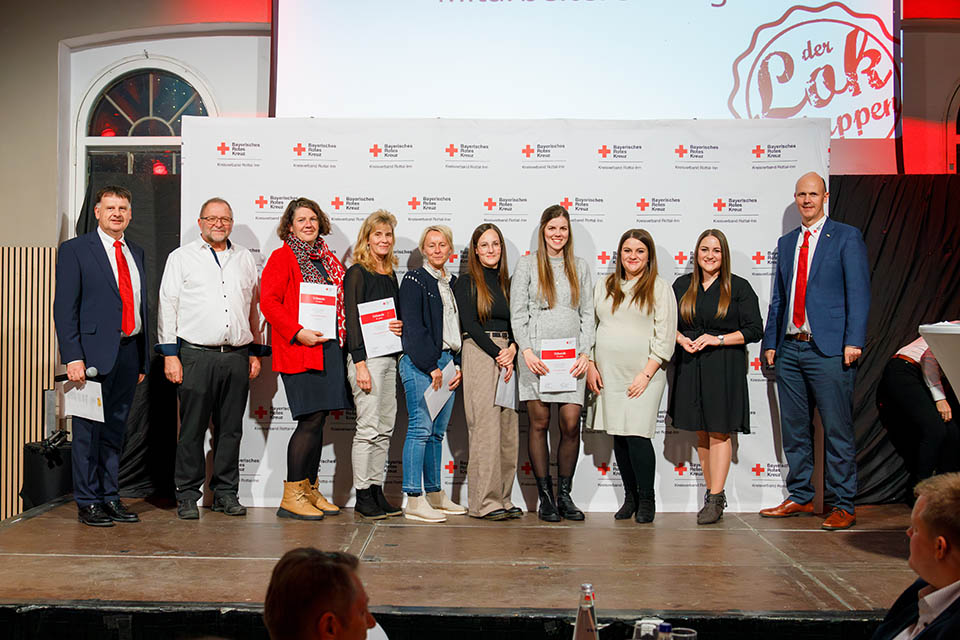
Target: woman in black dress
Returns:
[[719, 315]]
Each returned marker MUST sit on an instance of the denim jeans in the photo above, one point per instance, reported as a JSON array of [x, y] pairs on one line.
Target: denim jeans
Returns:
[[422, 447]]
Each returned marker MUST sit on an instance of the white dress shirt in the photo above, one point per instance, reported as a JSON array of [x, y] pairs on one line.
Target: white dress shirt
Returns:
[[919, 352], [814, 230], [208, 297], [134, 273], [931, 602]]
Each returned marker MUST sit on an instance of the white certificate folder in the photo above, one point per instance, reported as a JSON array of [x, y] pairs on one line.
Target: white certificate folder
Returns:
[[559, 355], [375, 318], [318, 308]]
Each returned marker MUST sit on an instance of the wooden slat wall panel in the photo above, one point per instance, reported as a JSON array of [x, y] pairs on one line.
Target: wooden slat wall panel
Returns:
[[27, 359]]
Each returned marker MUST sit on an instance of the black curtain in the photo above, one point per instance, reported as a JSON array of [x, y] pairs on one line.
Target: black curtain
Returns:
[[146, 465], [911, 225]]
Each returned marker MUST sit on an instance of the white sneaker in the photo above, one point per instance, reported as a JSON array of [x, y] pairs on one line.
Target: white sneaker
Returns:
[[420, 510], [439, 501]]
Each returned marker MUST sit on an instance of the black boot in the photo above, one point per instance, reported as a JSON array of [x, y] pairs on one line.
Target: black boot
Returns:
[[547, 510], [367, 505], [646, 505], [565, 504], [383, 503], [629, 504]]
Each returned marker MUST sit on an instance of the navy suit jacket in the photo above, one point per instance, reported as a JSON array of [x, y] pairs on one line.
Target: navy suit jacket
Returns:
[[838, 290], [904, 613], [87, 310]]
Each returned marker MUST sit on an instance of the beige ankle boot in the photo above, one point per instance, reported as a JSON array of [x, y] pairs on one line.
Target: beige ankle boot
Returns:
[[439, 501], [318, 501], [420, 510], [296, 503]]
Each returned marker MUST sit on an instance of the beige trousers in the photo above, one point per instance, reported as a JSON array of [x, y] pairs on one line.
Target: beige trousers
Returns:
[[376, 414], [493, 433]]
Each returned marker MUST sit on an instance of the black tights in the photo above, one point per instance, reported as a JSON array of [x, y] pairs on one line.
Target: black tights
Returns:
[[306, 444], [637, 462], [569, 448]]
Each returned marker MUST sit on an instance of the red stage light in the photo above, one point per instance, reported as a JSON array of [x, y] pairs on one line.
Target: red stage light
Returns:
[[108, 132], [159, 169]]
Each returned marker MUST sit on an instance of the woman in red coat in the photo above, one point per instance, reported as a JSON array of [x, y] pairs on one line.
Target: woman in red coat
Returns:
[[311, 364]]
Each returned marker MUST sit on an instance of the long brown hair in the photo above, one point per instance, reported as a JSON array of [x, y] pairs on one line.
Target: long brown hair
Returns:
[[642, 292], [362, 254], [688, 303], [475, 268], [545, 284]]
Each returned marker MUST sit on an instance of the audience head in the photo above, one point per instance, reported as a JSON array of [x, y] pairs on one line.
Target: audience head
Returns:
[[316, 594], [935, 530]]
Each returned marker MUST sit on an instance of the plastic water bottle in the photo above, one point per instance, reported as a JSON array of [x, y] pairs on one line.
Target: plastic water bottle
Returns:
[[585, 628]]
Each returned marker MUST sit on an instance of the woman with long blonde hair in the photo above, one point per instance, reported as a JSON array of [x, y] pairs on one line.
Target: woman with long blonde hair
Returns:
[[550, 298], [718, 316], [372, 380]]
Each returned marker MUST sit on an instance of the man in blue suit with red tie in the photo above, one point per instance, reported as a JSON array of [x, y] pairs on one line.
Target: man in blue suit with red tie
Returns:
[[100, 313], [816, 329]]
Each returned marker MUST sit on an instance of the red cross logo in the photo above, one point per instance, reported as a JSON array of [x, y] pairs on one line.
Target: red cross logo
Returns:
[[453, 257], [565, 203], [680, 469], [375, 150], [260, 412], [299, 149], [681, 257], [527, 252], [526, 468], [603, 469], [414, 203], [223, 148], [603, 151], [490, 204], [755, 363], [451, 149], [337, 203], [527, 151], [757, 469], [260, 201], [450, 466], [719, 205], [758, 151], [757, 257], [681, 150], [603, 257], [337, 414], [643, 204]]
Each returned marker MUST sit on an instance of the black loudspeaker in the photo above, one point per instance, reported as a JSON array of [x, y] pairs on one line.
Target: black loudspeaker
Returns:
[[47, 473]]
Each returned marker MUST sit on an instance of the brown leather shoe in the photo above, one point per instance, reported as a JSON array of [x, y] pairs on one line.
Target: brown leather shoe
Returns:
[[839, 519], [788, 508]]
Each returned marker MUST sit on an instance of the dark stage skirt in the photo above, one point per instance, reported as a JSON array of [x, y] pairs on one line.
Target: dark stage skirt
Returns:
[[313, 391]]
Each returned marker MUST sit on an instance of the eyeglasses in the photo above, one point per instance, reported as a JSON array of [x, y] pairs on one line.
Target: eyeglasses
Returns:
[[211, 220]]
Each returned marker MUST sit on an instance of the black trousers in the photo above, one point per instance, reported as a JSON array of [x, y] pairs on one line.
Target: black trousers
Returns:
[[96, 445], [927, 444], [214, 386]]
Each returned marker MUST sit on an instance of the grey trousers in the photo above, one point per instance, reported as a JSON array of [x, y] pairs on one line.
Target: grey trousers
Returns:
[[376, 415], [492, 431]]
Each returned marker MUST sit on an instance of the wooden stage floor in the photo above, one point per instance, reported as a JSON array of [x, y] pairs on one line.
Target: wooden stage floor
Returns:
[[743, 565]]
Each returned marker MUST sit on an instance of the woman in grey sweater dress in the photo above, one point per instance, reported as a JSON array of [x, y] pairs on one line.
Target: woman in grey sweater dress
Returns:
[[550, 297]]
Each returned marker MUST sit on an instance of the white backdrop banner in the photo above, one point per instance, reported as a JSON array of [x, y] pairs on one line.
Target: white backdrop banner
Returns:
[[673, 178]]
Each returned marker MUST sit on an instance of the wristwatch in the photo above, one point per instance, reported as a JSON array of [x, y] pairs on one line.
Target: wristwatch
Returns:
[[720, 338]]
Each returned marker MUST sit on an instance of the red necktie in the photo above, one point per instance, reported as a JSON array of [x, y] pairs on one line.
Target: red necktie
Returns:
[[800, 293], [128, 323]]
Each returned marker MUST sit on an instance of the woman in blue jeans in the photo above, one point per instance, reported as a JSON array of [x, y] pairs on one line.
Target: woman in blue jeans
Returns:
[[431, 340]]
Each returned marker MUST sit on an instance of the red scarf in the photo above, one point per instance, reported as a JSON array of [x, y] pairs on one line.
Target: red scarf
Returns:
[[305, 254]]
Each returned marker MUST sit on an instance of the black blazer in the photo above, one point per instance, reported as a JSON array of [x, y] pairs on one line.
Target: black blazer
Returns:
[[421, 310], [904, 612]]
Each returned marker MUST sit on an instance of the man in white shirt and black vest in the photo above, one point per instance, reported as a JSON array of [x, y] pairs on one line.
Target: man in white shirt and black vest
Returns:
[[209, 335]]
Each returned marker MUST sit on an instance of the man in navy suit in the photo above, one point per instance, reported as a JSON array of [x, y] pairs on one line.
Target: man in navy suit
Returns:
[[816, 329], [930, 608], [100, 312]]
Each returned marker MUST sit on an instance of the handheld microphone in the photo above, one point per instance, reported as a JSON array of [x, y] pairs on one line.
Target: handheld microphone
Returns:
[[91, 372]]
